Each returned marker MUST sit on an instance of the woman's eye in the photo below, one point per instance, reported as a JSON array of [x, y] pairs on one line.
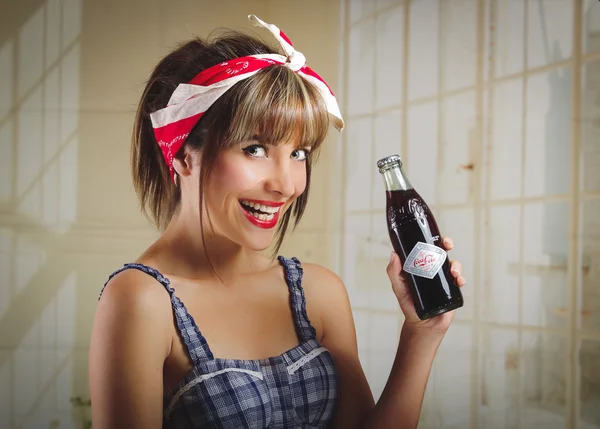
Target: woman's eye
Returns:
[[256, 151], [300, 154]]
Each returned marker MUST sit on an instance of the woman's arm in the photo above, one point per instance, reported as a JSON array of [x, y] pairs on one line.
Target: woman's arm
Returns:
[[400, 403], [130, 341]]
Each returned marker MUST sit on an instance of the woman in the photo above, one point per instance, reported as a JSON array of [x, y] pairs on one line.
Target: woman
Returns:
[[224, 139]]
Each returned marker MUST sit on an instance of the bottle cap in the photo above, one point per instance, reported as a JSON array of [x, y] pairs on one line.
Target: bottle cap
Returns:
[[389, 161]]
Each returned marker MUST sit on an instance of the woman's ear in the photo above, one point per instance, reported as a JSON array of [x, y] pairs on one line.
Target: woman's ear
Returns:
[[184, 163]]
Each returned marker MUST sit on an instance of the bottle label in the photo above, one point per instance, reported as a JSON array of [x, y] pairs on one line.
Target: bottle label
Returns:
[[425, 260]]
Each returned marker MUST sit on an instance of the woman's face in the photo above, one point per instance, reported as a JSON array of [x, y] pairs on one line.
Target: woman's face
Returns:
[[250, 188]]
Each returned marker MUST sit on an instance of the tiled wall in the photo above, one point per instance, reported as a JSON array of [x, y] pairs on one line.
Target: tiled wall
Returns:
[[39, 148], [494, 107]]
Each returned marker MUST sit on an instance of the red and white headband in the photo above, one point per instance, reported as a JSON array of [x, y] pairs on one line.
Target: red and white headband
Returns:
[[190, 101]]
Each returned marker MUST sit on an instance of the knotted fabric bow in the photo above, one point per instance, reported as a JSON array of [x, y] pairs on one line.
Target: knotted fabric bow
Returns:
[[190, 101]]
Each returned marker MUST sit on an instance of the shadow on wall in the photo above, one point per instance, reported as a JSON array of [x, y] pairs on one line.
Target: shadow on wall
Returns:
[[39, 115]]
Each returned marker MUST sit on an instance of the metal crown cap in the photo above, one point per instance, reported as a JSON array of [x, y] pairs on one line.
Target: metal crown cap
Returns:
[[388, 161]]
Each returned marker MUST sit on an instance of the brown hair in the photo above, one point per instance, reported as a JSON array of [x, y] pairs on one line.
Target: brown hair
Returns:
[[281, 103]]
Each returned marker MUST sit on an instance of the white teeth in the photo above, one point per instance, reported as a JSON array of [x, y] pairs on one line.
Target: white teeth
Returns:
[[261, 207], [268, 209], [263, 217]]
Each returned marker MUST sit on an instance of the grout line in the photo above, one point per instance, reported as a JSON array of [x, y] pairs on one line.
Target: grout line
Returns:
[[439, 99], [12, 292], [478, 213], [371, 181], [59, 102], [487, 141], [530, 200], [588, 335], [562, 332], [590, 57], [574, 259], [71, 348], [526, 328], [19, 227], [336, 176], [374, 14], [342, 241], [524, 100], [498, 203], [530, 72], [405, 80], [14, 115], [344, 141], [12, 268], [40, 176]]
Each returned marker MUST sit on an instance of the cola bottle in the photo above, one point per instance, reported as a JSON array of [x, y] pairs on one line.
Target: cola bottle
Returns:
[[417, 241]]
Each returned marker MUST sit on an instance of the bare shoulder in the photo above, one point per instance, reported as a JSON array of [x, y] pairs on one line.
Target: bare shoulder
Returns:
[[137, 289], [135, 299], [328, 297], [323, 282], [129, 343]]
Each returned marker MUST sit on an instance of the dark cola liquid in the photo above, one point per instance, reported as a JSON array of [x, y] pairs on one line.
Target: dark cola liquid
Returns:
[[410, 224]]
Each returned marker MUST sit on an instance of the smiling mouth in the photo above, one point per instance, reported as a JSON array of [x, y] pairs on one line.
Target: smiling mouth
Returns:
[[260, 211]]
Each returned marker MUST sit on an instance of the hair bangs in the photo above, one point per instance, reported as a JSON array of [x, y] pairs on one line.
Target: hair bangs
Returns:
[[279, 106]]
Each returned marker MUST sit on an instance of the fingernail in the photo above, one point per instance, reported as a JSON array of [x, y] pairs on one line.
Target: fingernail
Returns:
[[448, 241], [391, 257]]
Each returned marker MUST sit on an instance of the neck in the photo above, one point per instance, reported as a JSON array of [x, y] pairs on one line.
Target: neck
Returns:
[[183, 251]]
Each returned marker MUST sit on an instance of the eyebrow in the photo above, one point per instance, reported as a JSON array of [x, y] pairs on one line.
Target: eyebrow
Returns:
[[260, 139]]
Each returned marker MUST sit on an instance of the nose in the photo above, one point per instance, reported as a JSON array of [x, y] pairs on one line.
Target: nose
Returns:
[[280, 180]]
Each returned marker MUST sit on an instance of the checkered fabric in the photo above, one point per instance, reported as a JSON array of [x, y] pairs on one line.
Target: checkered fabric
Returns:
[[297, 389]]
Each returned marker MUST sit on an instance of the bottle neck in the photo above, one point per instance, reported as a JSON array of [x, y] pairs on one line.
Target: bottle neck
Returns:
[[395, 179]]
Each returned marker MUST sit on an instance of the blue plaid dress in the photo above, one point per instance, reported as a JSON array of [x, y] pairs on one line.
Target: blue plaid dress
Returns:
[[297, 389]]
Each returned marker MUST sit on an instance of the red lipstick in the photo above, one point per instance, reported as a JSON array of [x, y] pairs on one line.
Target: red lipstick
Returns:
[[267, 203], [265, 224]]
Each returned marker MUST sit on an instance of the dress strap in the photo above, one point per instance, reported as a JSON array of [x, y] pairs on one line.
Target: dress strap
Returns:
[[293, 277], [194, 341]]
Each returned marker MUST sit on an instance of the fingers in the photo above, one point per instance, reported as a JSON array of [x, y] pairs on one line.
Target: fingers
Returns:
[[455, 266], [448, 243], [394, 267], [399, 286], [456, 270], [394, 270]]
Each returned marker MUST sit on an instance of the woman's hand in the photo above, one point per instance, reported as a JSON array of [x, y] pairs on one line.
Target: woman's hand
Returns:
[[439, 324]]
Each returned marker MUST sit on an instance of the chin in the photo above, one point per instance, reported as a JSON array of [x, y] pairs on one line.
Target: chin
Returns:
[[258, 228], [258, 244]]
